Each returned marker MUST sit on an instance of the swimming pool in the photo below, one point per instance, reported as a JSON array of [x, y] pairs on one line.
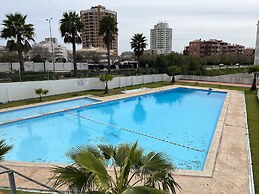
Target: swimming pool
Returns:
[[12, 115], [180, 122]]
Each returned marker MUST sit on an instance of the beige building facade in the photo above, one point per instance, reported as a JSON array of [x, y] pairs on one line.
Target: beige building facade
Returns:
[[90, 35]]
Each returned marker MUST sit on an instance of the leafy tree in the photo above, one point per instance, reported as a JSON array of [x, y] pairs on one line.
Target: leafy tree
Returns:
[[9, 57], [108, 30], [213, 59], [80, 58], [71, 27], [175, 59], [228, 59], [39, 54], [138, 44], [161, 63], [255, 71], [195, 66], [105, 78], [244, 59], [4, 149], [95, 58], [172, 71], [41, 92], [131, 166], [19, 34]]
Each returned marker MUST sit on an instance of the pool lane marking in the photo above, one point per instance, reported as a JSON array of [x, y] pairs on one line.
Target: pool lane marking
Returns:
[[142, 134]]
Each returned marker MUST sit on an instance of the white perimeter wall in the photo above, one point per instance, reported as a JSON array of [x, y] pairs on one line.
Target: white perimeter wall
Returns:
[[226, 79], [25, 90]]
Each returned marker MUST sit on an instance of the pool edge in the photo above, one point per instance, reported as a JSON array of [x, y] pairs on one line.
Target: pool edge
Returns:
[[211, 158]]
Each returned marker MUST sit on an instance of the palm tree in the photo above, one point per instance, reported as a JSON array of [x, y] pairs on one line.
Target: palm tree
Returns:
[[138, 44], [71, 27], [19, 34], [108, 30], [105, 78], [254, 70], [40, 92], [131, 165], [172, 70], [4, 149]]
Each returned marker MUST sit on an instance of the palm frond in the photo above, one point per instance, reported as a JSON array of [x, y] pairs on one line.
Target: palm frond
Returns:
[[121, 154], [156, 161], [108, 29], [4, 149], [77, 180], [70, 27], [72, 153], [163, 180], [138, 44], [143, 190], [95, 165], [108, 151], [89, 173]]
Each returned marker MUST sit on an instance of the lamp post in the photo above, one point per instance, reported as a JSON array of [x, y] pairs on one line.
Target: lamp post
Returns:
[[51, 41]]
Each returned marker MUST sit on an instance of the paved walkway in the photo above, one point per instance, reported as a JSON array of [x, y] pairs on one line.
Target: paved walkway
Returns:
[[229, 174]]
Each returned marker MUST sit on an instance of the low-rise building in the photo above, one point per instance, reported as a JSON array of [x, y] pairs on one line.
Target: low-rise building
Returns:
[[96, 54], [203, 48], [249, 52], [60, 51]]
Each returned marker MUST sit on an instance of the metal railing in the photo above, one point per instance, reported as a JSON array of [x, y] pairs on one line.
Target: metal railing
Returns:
[[12, 184]]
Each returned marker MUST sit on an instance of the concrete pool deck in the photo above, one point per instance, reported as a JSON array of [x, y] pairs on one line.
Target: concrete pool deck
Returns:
[[227, 170]]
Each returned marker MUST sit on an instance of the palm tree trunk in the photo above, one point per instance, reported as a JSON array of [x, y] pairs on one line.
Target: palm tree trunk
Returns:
[[138, 61], [106, 91], [44, 66], [19, 48], [173, 79], [74, 56], [253, 87], [109, 58]]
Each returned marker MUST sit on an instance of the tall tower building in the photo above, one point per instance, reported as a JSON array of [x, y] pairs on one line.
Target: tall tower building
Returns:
[[90, 35], [256, 61], [161, 38]]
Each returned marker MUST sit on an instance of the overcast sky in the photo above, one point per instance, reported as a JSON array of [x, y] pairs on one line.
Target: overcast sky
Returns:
[[233, 21]]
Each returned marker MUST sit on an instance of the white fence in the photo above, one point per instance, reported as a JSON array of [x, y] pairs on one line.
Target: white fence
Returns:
[[25, 90], [258, 94], [226, 79]]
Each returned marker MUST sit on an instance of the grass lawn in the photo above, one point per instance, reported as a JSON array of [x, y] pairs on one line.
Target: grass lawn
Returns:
[[252, 105]]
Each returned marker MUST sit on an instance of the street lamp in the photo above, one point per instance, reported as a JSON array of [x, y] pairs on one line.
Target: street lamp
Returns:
[[53, 57]]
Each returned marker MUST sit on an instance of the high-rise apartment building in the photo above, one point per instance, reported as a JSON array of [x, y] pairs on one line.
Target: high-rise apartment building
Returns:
[[90, 35], [161, 38]]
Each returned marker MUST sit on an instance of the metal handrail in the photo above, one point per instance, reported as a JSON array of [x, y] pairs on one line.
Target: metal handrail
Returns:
[[12, 182]]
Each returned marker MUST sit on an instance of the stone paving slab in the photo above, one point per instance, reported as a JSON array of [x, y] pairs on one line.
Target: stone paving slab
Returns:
[[230, 171]]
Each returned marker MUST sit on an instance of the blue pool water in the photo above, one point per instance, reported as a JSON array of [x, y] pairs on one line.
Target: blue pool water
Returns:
[[43, 109], [187, 117]]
